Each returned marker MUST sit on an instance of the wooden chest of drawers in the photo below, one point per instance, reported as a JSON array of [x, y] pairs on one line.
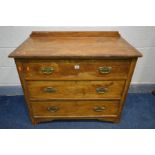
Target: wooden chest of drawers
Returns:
[[75, 75]]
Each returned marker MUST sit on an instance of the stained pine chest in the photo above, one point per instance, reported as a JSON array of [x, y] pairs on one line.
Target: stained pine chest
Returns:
[[75, 75]]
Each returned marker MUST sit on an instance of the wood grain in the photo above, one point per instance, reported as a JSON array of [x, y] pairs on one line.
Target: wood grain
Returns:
[[76, 109], [20, 70], [62, 45], [75, 34], [127, 84], [74, 89], [65, 69]]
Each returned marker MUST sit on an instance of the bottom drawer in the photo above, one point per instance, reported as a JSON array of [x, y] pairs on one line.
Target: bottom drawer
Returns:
[[73, 109]]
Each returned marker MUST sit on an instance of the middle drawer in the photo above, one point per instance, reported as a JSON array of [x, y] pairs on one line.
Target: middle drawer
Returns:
[[74, 89]]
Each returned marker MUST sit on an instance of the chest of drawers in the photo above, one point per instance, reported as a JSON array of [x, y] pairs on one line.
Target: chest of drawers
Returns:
[[75, 75]]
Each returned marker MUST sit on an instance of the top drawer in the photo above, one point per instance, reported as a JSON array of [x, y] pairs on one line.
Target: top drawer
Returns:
[[76, 69]]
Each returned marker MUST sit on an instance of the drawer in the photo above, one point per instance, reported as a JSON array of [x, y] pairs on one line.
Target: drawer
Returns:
[[76, 69], [75, 109], [74, 89]]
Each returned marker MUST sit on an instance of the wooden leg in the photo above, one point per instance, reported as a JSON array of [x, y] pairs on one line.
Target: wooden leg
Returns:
[[117, 120], [34, 122]]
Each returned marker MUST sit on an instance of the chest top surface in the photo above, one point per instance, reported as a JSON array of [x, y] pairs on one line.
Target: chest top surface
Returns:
[[88, 44]]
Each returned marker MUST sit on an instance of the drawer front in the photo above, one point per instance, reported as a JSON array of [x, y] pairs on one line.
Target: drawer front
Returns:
[[74, 89], [75, 108], [77, 69]]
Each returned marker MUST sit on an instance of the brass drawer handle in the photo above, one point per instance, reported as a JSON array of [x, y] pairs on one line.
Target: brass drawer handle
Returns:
[[49, 90], [105, 69], [101, 90], [98, 109], [47, 70], [53, 109]]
